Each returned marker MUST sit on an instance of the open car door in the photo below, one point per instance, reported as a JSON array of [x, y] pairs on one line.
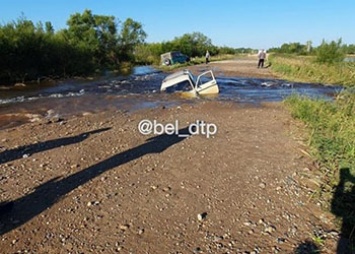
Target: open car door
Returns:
[[206, 84]]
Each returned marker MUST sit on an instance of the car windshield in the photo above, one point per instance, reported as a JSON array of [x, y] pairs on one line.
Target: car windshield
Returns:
[[176, 54]]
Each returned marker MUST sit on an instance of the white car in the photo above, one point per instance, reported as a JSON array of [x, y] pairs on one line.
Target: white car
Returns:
[[185, 81]]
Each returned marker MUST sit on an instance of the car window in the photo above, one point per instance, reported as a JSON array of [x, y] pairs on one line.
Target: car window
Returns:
[[183, 86]]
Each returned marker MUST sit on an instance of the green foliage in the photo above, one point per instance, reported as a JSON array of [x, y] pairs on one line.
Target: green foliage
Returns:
[[90, 43], [144, 55], [97, 35], [326, 52], [193, 45], [306, 69], [232, 51], [132, 35], [21, 42], [349, 49], [332, 128], [293, 48], [330, 52]]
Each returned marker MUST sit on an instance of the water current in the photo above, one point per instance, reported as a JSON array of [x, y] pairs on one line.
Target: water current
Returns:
[[139, 90]]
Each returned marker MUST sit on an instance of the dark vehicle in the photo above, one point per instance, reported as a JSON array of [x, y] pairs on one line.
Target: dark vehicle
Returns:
[[174, 57]]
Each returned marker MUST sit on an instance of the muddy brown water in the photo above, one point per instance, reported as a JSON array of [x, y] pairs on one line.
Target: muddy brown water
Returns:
[[136, 91]]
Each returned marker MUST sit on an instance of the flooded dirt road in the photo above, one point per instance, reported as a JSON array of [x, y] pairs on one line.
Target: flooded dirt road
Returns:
[[141, 90], [96, 184]]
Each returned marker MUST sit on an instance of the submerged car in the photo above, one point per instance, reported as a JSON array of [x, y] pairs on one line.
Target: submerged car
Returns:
[[184, 81], [174, 57]]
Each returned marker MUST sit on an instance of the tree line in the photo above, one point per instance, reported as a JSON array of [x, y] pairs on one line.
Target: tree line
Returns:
[[326, 52], [191, 44], [90, 44]]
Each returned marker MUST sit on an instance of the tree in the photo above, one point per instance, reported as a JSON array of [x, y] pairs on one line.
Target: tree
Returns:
[[96, 34], [293, 48], [194, 44], [132, 35], [49, 27], [330, 52], [22, 42], [90, 43], [349, 49]]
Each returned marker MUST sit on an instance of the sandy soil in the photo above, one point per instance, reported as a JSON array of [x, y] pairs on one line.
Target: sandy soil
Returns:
[[241, 67], [95, 184]]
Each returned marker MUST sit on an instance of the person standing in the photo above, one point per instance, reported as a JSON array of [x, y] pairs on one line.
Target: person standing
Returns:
[[261, 56], [207, 57]]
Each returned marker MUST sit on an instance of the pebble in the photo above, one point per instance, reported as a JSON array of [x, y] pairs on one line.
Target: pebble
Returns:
[[124, 227], [248, 223], [262, 185], [261, 221], [91, 203], [201, 216], [269, 229], [217, 238]]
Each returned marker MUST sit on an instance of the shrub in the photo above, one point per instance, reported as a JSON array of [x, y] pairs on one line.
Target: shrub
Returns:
[[330, 52]]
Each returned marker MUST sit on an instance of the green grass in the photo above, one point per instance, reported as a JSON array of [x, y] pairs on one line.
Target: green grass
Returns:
[[331, 125], [331, 128], [306, 69]]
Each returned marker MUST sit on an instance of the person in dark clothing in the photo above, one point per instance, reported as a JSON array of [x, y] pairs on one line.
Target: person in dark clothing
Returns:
[[261, 56]]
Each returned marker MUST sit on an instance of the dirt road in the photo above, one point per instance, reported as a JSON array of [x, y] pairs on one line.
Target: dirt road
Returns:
[[95, 184], [239, 67]]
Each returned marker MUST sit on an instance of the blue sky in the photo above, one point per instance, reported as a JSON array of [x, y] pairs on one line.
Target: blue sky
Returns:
[[232, 23]]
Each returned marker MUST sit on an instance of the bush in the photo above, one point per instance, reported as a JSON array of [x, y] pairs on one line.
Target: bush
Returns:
[[330, 52]]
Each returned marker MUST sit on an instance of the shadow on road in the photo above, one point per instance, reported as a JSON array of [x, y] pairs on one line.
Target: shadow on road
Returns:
[[343, 206], [307, 247], [20, 211], [17, 153]]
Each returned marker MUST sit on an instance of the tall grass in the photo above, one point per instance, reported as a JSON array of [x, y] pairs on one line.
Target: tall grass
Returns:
[[331, 126], [307, 69], [332, 139], [332, 123]]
